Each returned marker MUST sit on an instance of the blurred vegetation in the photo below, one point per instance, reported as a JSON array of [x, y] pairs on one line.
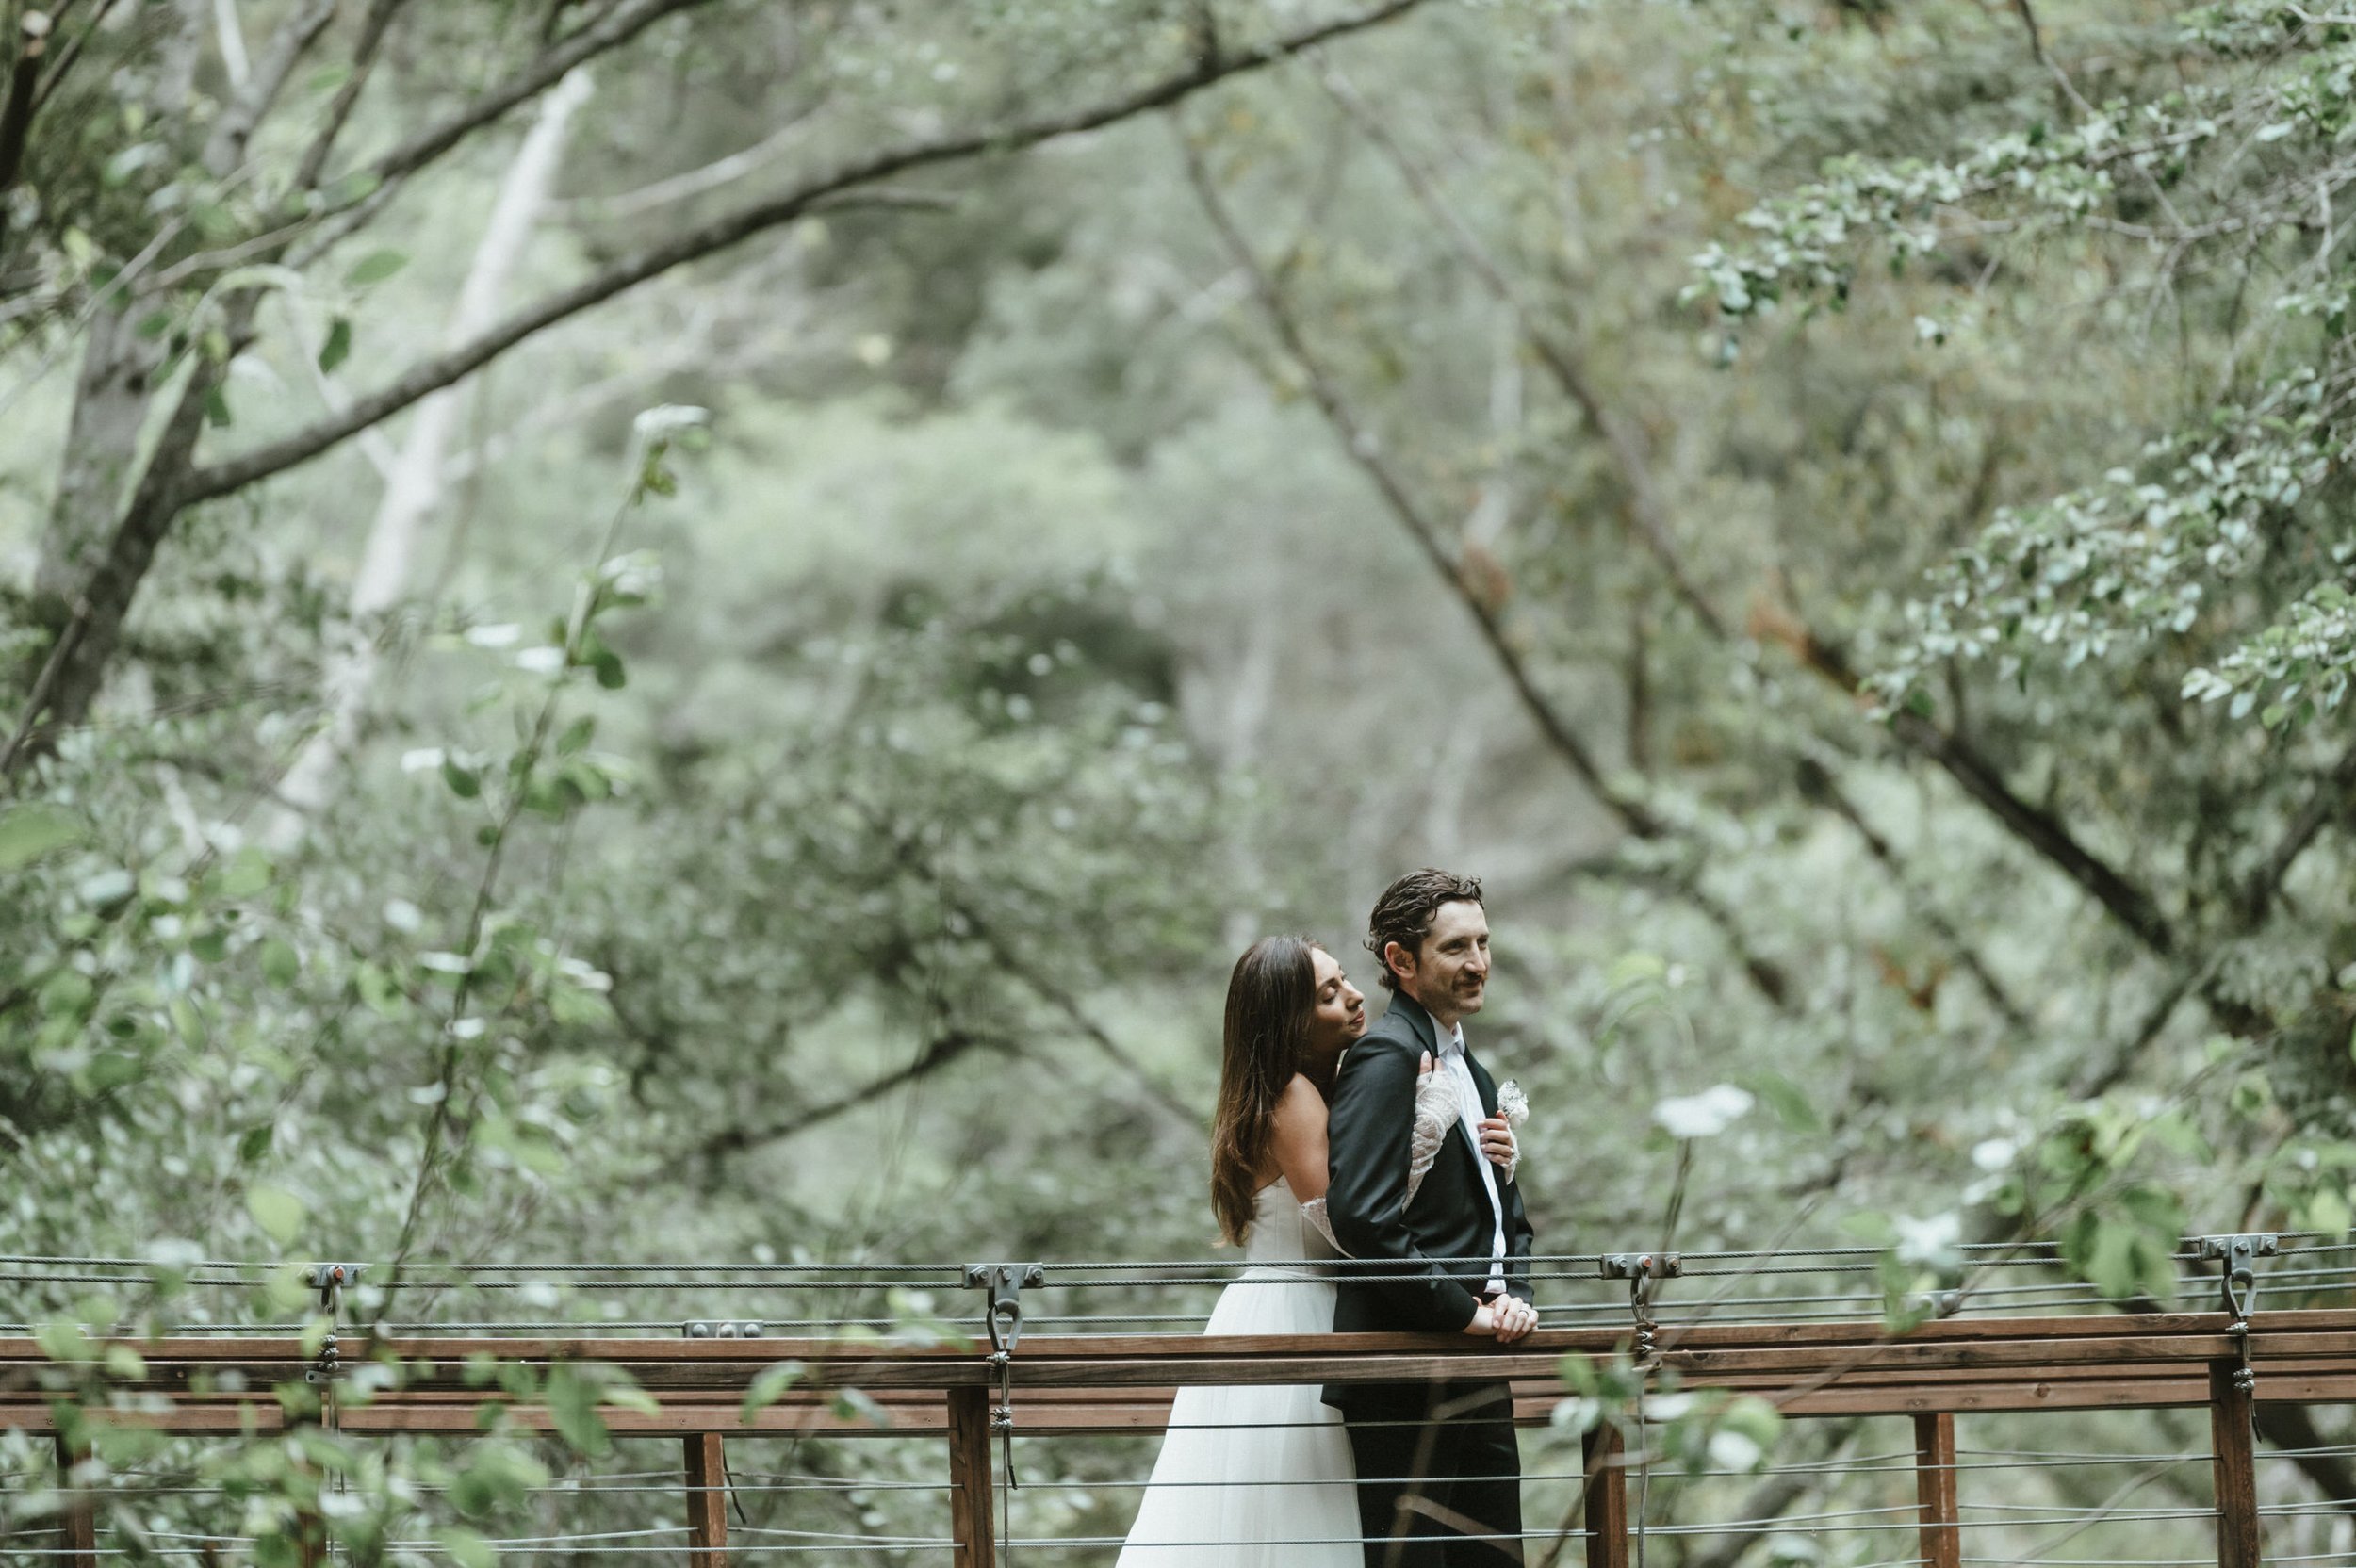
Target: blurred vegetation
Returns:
[[746, 713]]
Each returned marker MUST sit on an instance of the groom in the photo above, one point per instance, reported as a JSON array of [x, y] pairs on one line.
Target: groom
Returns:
[[1437, 1461]]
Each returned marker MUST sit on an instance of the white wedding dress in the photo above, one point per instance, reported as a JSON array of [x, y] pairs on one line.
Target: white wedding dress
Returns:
[[1256, 1476]]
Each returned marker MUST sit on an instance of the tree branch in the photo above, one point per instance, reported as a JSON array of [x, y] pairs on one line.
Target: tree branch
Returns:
[[608, 33], [2329, 798], [1647, 518], [938, 1053], [364, 55], [224, 149], [1818, 783], [16, 110], [1364, 450], [1769, 1501], [214, 480]]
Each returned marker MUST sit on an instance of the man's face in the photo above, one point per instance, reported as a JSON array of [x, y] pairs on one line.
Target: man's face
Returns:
[[1449, 972]]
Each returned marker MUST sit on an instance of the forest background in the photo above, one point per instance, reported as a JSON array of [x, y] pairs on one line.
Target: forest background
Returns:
[[696, 629]]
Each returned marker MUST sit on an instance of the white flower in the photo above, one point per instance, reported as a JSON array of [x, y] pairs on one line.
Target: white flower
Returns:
[[1512, 1105], [1704, 1114]]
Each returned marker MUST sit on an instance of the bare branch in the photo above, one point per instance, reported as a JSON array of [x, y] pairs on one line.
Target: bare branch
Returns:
[[1646, 513], [1364, 448], [937, 1052], [693, 182], [1647, 517], [2328, 799], [72, 53], [224, 149], [208, 483], [363, 56], [16, 110], [608, 33]]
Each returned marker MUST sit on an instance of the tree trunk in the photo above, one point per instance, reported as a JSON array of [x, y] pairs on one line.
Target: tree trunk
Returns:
[[414, 487], [111, 400]]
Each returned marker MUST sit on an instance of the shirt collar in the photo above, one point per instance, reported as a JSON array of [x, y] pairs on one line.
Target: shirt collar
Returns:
[[1451, 1039]]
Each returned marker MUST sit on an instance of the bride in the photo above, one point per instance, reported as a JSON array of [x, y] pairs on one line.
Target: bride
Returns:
[[1256, 1477]]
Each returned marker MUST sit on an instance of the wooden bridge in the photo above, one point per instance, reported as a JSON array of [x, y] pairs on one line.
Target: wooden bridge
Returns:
[[1061, 1386]]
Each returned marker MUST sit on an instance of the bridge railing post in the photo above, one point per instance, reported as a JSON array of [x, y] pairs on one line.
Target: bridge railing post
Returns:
[[707, 1501], [970, 1521], [79, 1522], [2232, 1408], [1935, 1489], [1607, 1498]]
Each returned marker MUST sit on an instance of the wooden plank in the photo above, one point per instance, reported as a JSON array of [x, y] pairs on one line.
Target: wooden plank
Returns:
[[2112, 1393], [1935, 1489], [2232, 1423], [1606, 1516], [707, 1501], [77, 1526], [284, 1351], [971, 1523]]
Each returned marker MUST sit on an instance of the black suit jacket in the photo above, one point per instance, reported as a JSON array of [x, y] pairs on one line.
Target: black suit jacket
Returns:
[[1372, 1115]]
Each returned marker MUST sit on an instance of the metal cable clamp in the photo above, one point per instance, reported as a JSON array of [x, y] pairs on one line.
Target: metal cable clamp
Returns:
[[2237, 1278], [1006, 1282], [329, 1280], [1641, 1271]]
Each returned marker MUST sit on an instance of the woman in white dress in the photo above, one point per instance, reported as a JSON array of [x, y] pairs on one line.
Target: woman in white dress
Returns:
[[1255, 1476]]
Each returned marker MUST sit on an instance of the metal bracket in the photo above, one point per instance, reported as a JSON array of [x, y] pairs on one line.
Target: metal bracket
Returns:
[[2236, 1256], [329, 1280], [1006, 1282], [1641, 1270], [1640, 1265], [1939, 1303], [719, 1327]]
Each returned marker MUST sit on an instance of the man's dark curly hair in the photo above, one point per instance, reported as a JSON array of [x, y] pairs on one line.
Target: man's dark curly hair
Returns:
[[1405, 911]]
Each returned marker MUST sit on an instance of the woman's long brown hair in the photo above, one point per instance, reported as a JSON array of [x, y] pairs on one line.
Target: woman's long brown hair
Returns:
[[1269, 999]]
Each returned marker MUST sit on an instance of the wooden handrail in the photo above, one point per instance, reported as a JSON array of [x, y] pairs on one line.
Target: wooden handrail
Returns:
[[1072, 1384]]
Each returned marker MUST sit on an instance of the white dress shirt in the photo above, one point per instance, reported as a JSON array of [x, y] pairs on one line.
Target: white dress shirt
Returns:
[[1468, 1110]]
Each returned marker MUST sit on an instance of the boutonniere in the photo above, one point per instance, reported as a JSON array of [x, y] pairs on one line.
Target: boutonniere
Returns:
[[1512, 1105]]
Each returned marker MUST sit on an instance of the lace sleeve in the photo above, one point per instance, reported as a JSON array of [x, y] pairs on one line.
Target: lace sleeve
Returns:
[[1312, 1215], [1436, 1113]]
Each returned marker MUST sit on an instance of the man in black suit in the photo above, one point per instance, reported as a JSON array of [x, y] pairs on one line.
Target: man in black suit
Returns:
[[1438, 1461]]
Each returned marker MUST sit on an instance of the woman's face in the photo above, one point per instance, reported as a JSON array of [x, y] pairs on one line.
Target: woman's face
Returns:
[[1338, 1015]]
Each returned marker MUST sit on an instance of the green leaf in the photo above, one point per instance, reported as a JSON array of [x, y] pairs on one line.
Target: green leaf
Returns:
[[464, 782], [375, 268], [770, 1387], [338, 345], [217, 409], [572, 1402], [256, 1144], [277, 1211], [1636, 969], [467, 1548], [247, 873], [32, 830], [281, 965], [2327, 1211], [64, 1342], [1785, 1099], [576, 735], [857, 1404]]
